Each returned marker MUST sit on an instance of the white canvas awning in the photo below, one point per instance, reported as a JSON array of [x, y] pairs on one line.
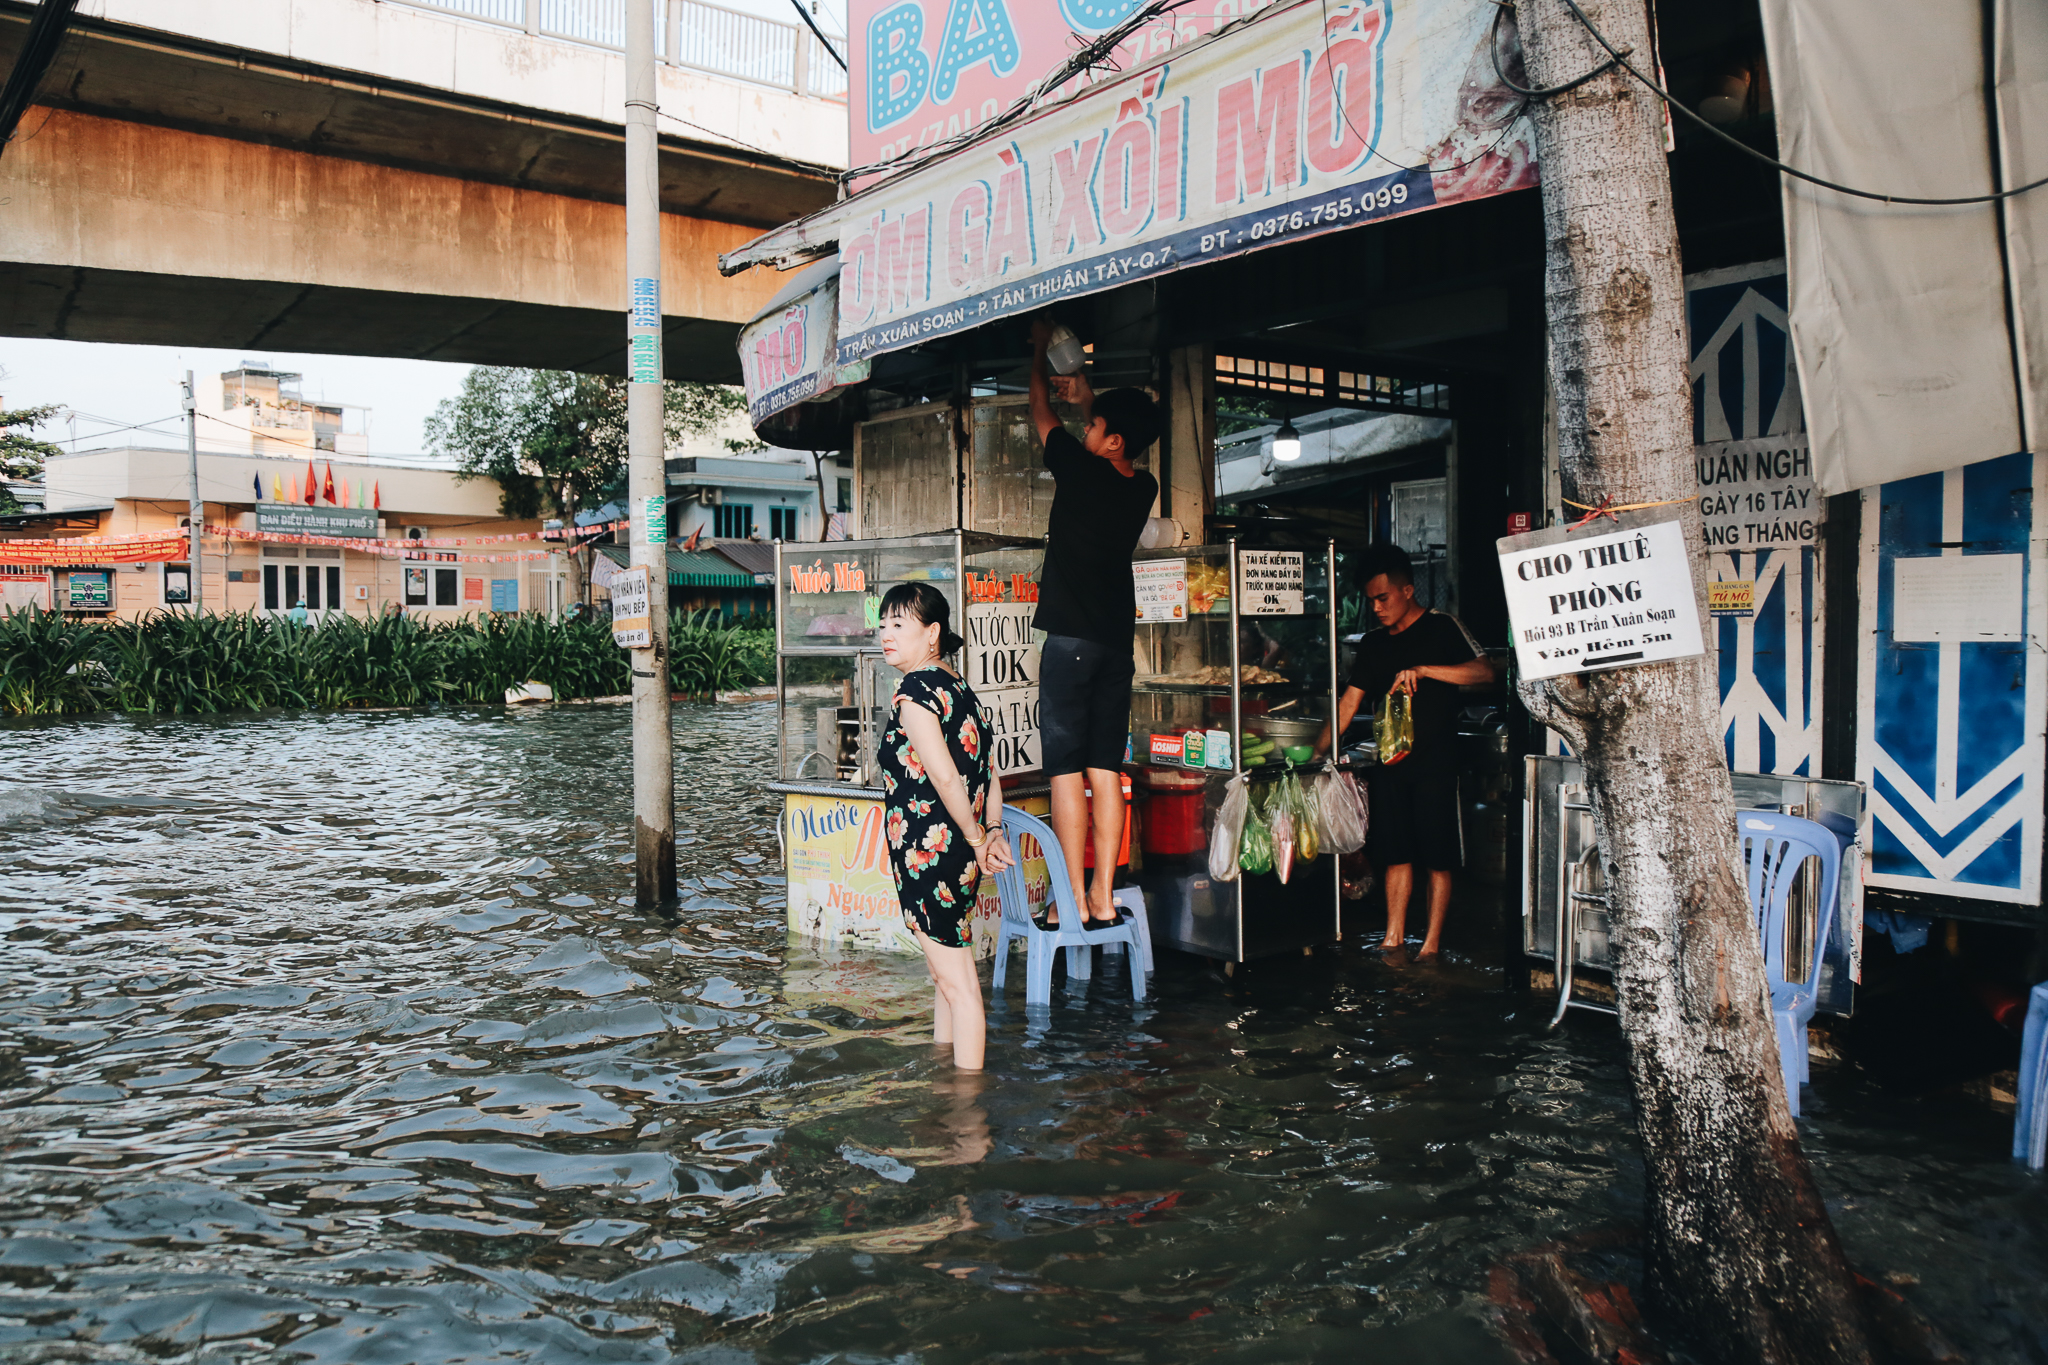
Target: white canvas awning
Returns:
[[1921, 331]]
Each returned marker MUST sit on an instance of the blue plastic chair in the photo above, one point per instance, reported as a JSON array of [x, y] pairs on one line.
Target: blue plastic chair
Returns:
[[1042, 945], [1774, 848], [2030, 1120]]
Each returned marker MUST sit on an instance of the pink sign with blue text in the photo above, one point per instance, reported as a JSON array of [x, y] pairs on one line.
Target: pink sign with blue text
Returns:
[[924, 70]]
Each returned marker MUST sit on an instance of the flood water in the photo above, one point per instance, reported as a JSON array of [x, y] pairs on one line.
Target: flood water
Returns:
[[330, 1038]]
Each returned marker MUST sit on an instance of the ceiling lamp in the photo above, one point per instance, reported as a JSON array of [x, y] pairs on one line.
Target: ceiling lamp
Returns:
[[1286, 442]]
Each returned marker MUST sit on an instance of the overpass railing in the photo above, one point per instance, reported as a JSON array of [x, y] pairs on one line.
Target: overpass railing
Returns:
[[688, 33]]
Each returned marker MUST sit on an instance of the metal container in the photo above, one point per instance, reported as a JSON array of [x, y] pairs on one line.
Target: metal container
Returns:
[[1285, 730]]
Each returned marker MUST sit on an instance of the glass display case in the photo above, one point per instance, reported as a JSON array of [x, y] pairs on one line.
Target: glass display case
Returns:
[[832, 687], [1236, 671]]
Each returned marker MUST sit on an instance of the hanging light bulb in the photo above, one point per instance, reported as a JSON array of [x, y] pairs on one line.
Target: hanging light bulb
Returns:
[[1286, 442]]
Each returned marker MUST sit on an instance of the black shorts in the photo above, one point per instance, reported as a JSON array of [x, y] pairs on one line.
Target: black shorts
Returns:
[[1414, 815], [1084, 705]]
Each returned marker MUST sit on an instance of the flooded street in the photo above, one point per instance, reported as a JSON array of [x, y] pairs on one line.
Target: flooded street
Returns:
[[329, 1037]]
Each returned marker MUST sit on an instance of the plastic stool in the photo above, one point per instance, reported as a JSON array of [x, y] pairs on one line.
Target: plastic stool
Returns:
[[1131, 901]]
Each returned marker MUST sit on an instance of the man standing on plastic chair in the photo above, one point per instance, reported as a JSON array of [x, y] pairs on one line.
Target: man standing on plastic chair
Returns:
[[1088, 608]]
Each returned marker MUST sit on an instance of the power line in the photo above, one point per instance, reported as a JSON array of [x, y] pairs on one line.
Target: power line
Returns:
[[812, 24]]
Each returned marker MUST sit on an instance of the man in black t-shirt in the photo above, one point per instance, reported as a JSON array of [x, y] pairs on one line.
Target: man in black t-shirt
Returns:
[[1088, 608], [1414, 809]]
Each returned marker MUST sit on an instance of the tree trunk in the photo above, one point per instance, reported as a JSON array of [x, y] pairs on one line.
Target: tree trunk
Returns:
[[1740, 1251]]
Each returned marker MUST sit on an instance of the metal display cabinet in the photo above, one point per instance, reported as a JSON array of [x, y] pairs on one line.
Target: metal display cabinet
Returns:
[[1193, 686], [1564, 889], [832, 688]]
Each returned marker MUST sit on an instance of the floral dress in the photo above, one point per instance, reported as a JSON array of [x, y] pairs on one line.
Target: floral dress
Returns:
[[936, 874]]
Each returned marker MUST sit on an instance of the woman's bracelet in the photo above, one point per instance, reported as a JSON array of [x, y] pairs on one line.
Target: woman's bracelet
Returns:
[[976, 843]]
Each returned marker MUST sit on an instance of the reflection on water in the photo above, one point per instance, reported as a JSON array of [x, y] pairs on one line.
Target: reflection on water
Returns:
[[336, 1037]]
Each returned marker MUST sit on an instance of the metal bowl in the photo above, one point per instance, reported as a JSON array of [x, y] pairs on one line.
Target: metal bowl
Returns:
[[1285, 730]]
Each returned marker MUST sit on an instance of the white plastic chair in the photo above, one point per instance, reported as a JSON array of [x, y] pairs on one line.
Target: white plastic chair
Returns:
[[1042, 945]]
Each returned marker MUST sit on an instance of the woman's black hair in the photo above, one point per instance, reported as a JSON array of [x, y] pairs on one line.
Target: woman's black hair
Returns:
[[927, 606]]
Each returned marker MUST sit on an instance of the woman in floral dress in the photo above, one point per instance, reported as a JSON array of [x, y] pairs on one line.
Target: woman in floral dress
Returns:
[[944, 808]]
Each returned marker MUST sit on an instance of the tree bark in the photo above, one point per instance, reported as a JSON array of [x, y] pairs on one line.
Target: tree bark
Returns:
[[1740, 1251]]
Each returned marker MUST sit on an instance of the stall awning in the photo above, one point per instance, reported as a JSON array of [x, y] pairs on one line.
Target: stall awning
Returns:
[[690, 568], [1302, 119], [1921, 331]]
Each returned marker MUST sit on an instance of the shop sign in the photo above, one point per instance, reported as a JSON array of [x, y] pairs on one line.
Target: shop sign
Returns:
[[90, 590], [786, 356], [632, 617], [298, 519], [1304, 120], [1001, 664], [1732, 597], [1757, 494], [1162, 586], [923, 70], [842, 891], [1269, 583], [1581, 603]]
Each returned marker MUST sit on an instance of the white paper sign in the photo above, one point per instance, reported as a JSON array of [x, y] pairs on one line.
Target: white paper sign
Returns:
[[1976, 599], [1000, 652], [1757, 494], [1012, 720], [1162, 586], [1269, 583], [632, 621], [1580, 603]]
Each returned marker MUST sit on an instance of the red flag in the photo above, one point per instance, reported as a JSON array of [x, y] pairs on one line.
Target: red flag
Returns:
[[328, 491], [376, 496], [312, 485], [691, 543]]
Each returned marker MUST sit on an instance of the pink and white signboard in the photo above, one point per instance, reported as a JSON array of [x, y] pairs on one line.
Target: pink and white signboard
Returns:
[[922, 70], [1310, 118]]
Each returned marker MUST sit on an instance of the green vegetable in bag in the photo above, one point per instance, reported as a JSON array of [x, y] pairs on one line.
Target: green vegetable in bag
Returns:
[[1256, 853]]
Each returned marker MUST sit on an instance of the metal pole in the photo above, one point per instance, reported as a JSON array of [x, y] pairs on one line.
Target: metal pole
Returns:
[[198, 508], [654, 793]]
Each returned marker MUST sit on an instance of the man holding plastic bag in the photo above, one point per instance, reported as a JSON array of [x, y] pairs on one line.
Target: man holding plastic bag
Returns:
[[1425, 656]]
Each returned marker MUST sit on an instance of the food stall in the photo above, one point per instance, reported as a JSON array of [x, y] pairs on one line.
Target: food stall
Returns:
[[1236, 654], [832, 696]]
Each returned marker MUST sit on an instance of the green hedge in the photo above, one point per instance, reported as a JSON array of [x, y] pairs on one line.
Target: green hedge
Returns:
[[240, 661]]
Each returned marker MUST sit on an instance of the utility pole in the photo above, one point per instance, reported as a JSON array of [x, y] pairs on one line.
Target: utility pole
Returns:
[[654, 787], [198, 508]]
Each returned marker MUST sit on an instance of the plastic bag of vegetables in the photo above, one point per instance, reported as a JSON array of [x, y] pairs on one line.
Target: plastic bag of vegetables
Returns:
[[1394, 731], [1340, 811], [1227, 837], [1301, 804], [1284, 838], [1255, 850]]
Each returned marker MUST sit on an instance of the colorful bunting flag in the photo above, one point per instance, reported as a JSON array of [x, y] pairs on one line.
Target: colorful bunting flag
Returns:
[[328, 491], [312, 485]]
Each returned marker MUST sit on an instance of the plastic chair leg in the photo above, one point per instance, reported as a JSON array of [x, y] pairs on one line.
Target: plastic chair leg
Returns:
[[2030, 1117], [1080, 962], [1790, 1047], [1002, 963], [1136, 957], [1038, 973], [1132, 899]]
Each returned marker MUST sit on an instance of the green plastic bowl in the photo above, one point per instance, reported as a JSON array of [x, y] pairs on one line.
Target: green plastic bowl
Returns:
[[1298, 753]]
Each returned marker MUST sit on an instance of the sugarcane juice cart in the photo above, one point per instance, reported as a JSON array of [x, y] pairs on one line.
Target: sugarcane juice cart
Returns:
[[1236, 657], [832, 697]]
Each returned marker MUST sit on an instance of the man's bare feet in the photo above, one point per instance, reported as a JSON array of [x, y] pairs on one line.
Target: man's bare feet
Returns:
[[1387, 945]]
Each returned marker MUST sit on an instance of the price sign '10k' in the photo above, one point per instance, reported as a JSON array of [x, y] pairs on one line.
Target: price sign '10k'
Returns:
[[1269, 583], [1580, 603]]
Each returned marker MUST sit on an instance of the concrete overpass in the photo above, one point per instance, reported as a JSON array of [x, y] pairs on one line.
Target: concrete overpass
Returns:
[[366, 178]]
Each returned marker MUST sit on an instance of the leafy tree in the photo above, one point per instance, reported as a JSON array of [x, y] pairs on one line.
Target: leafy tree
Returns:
[[21, 455], [556, 441]]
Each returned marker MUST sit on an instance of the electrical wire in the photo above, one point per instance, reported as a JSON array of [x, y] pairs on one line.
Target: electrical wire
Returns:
[[1493, 50], [1085, 59], [1372, 145], [812, 24], [1621, 59]]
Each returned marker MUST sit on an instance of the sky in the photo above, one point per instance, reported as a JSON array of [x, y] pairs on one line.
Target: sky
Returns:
[[112, 386]]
